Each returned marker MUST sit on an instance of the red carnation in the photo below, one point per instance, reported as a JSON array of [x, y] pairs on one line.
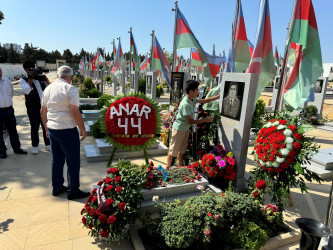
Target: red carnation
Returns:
[[112, 219], [119, 189], [104, 233], [94, 199], [84, 220], [255, 194], [92, 212], [283, 122], [211, 157], [284, 165], [107, 180], [278, 170], [102, 218], [109, 188], [271, 158], [261, 184], [109, 201], [122, 206], [232, 176], [100, 183], [298, 136], [292, 153], [290, 160], [82, 210], [209, 214], [98, 213], [90, 225], [112, 170], [297, 146], [292, 127], [117, 179]]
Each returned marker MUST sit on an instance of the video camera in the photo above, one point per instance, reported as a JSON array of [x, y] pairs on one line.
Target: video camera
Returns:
[[37, 74]]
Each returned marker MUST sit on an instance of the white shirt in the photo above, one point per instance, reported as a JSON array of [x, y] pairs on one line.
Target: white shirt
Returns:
[[57, 98], [6, 93], [27, 89]]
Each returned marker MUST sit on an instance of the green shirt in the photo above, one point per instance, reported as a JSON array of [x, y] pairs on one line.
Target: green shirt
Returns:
[[186, 107]]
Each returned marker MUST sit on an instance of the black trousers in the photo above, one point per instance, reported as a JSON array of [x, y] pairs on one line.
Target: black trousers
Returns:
[[35, 122], [7, 118]]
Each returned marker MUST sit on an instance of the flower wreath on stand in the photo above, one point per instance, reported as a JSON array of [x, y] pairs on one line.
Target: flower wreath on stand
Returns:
[[280, 150]]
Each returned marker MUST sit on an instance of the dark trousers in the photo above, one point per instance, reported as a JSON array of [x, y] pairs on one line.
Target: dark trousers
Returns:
[[7, 118], [65, 145], [35, 122]]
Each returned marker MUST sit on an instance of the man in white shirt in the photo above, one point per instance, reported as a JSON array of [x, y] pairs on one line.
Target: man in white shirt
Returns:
[[60, 114], [7, 117], [33, 90]]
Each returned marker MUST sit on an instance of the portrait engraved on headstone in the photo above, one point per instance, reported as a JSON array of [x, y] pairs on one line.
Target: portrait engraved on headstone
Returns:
[[318, 86], [132, 81], [194, 77], [176, 93], [277, 82], [149, 81], [232, 99]]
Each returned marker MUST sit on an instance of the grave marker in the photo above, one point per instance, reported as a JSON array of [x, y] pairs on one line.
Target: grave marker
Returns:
[[319, 93], [122, 84], [134, 79], [151, 84], [178, 85]]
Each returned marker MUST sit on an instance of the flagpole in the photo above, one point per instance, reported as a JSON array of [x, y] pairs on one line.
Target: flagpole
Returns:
[[286, 51], [131, 57], [152, 49], [174, 37]]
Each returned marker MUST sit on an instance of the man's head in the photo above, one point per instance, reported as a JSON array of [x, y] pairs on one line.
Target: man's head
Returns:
[[233, 89], [66, 73], [192, 88], [28, 65]]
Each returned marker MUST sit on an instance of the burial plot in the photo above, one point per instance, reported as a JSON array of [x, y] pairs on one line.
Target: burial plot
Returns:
[[134, 79], [151, 84], [237, 106], [319, 93]]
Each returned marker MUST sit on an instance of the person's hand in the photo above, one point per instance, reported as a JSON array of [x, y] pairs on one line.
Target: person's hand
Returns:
[[47, 81], [218, 96], [83, 134], [209, 119], [46, 133]]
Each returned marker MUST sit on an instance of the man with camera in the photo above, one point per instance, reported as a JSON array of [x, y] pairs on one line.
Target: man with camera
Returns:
[[33, 85]]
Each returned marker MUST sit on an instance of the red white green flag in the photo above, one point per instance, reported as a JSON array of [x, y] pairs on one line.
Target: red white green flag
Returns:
[[308, 63], [134, 52], [277, 59]]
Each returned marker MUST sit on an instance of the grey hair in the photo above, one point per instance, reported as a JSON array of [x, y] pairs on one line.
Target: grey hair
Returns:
[[64, 71]]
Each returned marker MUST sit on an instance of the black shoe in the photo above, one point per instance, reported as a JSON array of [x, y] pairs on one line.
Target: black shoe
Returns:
[[62, 190], [3, 156], [20, 151], [77, 195]]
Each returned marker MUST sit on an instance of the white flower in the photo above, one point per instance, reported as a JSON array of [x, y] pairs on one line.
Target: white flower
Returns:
[[287, 132], [289, 140], [262, 163], [268, 164], [279, 160], [284, 151], [275, 123], [289, 146], [281, 127], [268, 125], [276, 164], [155, 198], [200, 187]]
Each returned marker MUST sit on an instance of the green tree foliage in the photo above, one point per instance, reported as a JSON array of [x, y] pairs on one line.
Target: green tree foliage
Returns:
[[1, 17], [13, 56], [3, 54]]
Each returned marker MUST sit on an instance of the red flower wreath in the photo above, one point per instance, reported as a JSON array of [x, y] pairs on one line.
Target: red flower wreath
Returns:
[[277, 145]]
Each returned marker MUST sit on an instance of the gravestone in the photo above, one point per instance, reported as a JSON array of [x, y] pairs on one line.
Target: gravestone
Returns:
[[237, 107], [122, 78], [271, 107], [216, 81], [201, 78], [151, 84], [114, 88], [178, 85], [194, 76], [134, 81], [319, 93]]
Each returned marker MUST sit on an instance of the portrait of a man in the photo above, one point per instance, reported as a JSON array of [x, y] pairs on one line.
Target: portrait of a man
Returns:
[[194, 77], [318, 86], [232, 101], [277, 82]]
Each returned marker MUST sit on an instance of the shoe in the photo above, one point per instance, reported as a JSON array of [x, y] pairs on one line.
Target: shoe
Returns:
[[62, 190], [3, 156], [77, 195], [34, 150], [48, 148], [20, 151]]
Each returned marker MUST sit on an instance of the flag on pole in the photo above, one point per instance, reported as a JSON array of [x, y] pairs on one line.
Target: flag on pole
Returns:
[[160, 62], [195, 58], [292, 53], [262, 61], [114, 52], [144, 63], [277, 59], [93, 64], [251, 47], [118, 62], [308, 63], [100, 58], [135, 53]]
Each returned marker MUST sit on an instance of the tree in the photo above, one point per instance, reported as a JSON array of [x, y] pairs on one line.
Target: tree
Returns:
[[13, 56], [1, 17], [108, 57], [3, 55], [67, 55], [29, 53]]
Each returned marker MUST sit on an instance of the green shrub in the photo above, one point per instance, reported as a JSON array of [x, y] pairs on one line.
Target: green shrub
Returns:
[[88, 84], [311, 111], [96, 130], [94, 93], [103, 100], [108, 79], [259, 112], [77, 79], [83, 92], [159, 91], [142, 85]]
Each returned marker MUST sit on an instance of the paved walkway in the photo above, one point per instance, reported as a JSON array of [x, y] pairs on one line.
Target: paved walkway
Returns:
[[31, 218]]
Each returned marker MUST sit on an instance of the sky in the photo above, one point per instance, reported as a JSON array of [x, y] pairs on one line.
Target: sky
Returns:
[[76, 24]]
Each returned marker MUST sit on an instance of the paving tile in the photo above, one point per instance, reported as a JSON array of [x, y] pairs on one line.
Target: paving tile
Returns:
[[74, 208], [89, 243], [51, 201], [4, 192], [48, 233], [62, 245], [13, 220], [14, 238], [76, 228], [19, 205], [20, 193], [42, 215]]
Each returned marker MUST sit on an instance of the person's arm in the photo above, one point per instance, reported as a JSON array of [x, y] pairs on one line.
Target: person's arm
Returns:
[[78, 120], [43, 114], [26, 86], [191, 121], [209, 99]]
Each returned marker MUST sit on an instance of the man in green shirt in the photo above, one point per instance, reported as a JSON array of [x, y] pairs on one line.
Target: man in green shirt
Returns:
[[184, 120]]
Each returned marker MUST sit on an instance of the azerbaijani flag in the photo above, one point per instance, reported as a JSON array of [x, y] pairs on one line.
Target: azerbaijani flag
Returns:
[[93, 65], [135, 53], [114, 52], [262, 61], [100, 58], [160, 62], [308, 63], [292, 53], [118, 62], [251, 47], [277, 59], [195, 58], [144, 63]]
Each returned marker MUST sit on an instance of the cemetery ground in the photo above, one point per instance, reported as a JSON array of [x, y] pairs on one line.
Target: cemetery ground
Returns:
[[31, 218]]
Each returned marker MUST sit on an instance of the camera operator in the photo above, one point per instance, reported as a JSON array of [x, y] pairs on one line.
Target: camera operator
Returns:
[[33, 85]]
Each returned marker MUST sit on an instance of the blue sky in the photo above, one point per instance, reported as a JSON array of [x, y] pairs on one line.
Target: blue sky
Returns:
[[87, 24]]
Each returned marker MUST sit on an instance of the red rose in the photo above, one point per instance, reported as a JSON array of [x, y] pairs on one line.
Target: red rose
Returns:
[[109, 201], [112, 219], [92, 212], [117, 179], [271, 170], [276, 146], [83, 209], [209, 214], [211, 157], [90, 225], [112, 170], [119, 189], [122, 206], [109, 188], [284, 165], [283, 122], [84, 220], [297, 146], [290, 160], [292, 127], [261, 184], [90, 197], [271, 158], [278, 170], [94, 199], [292, 153], [298, 136], [88, 209], [102, 218], [100, 183], [232, 176], [98, 213], [104, 233], [107, 180], [208, 232], [255, 194]]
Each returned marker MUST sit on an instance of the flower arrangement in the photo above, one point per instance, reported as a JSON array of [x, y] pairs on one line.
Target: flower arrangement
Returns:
[[280, 150], [114, 204], [166, 121]]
